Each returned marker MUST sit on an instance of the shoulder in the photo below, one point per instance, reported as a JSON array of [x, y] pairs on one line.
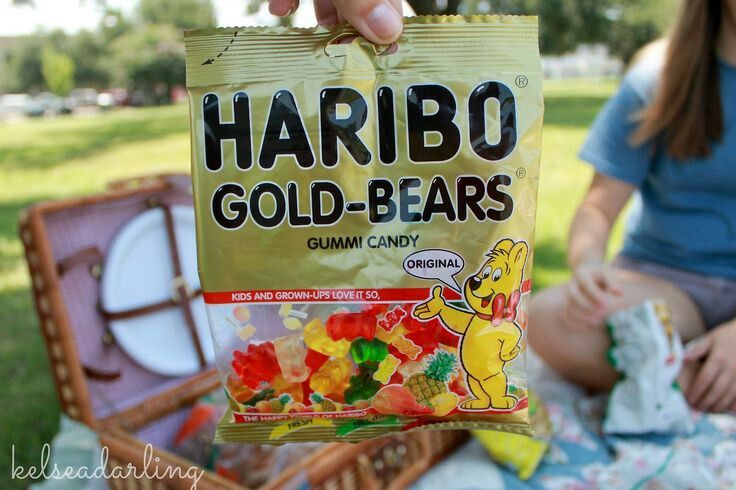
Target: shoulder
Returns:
[[645, 69]]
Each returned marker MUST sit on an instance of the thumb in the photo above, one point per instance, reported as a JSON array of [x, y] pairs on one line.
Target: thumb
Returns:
[[437, 292], [697, 349], [378, 20]]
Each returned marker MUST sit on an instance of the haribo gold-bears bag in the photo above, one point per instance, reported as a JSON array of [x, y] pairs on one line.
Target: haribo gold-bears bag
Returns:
[[365, 224]]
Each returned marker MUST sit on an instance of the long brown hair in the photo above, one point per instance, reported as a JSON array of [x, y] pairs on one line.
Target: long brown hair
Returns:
[[686, 114]]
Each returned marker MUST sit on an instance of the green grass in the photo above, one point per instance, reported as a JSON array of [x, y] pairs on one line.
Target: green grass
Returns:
[[42, 160]]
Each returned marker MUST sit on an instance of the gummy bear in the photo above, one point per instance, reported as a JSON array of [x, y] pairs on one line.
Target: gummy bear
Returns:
[[389, 337], [332, 377], [284, 387], [238, 391], [364, 350], [291, 355], [431, 336], [314, 360], [362, 384], [256, 365], [386, 369], [350, 326], [316, 338], [392, 318], [246, 332], [292, 323], [407, 347], [376, 309], [398, 400], [241, 314]]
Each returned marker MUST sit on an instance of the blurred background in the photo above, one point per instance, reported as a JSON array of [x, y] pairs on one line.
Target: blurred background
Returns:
[[92, 91]]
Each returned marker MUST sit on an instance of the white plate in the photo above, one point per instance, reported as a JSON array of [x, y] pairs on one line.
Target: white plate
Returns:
[[138, 272]]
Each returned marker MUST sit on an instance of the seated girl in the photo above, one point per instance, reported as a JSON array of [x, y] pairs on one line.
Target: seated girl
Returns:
[[668, 138]]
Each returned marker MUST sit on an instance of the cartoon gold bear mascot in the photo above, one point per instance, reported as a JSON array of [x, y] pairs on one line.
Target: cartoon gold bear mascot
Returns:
[[491, 337]]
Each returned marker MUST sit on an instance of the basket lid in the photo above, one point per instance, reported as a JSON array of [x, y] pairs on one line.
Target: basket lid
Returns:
[[117, 379]]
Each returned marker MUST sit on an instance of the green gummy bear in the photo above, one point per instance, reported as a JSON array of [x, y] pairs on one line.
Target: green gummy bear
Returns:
[[362, 385], [363, 350]]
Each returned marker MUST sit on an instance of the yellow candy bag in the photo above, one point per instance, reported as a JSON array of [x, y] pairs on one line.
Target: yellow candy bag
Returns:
[[365, 224]]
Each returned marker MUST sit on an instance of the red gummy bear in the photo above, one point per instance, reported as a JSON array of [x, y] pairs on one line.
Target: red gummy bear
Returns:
[[376, 309], [256, 365], [350, 326], [392, 318], [314, 360]]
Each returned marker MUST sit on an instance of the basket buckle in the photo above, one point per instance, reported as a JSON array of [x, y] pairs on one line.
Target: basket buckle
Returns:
[[177, 284]]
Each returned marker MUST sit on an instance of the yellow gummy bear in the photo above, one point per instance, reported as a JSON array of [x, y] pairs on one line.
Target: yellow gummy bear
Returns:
[[332, 377], [292, 323], [316, 338], [386, 369], [285, 310], [246, 332]]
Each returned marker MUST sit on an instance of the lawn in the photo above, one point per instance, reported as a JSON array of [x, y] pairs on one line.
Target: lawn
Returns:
[[51, 159]]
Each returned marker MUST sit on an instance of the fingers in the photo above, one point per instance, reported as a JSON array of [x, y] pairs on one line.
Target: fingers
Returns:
[[282, 8], [590, 286], [325, 12], [424, 313], [378, 20], [716, 393], [422, 308], [703, 382], [687, 375], [698, 348], [437, 292], [727, 401], [580, 310]]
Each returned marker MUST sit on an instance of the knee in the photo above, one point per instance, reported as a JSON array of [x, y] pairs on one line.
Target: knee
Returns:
[[545, 313]]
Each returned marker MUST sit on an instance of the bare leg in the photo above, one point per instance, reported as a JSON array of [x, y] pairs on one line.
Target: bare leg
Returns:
[[580, 354]]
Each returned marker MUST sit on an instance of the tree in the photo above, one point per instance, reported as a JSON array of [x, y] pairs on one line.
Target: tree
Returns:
[[23, 69], [637, 23], [623, 25], [149, 59], [182, 14], [58, 71], [89, 53]]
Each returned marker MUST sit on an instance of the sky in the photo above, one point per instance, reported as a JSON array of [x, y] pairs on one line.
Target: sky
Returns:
[[73, 15]]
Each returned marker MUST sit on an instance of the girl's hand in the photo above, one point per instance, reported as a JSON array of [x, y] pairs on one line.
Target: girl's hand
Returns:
[[713, 389], [378, 20], [588, 293]]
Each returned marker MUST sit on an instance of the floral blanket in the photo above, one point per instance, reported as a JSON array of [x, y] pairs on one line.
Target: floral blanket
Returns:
[[582, 457]]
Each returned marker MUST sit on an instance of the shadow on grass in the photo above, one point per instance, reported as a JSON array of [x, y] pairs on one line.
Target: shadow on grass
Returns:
[[572, 111], [56, 143]]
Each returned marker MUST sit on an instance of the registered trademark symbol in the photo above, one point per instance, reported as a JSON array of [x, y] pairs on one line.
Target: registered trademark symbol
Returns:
[[521, 173], [522, 81]]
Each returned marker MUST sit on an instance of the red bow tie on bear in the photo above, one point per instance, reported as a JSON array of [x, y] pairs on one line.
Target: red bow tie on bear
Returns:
[[502, 310]]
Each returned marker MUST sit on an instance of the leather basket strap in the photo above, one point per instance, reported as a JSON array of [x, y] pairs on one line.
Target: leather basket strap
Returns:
[[143, 310], [89, 257], [182, 294]]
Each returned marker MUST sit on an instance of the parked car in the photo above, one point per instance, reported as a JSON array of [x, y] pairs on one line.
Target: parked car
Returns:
[[15, 104], [47, 104]]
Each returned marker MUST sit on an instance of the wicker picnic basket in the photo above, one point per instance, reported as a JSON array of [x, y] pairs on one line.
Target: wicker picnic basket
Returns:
[[130, 407]]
